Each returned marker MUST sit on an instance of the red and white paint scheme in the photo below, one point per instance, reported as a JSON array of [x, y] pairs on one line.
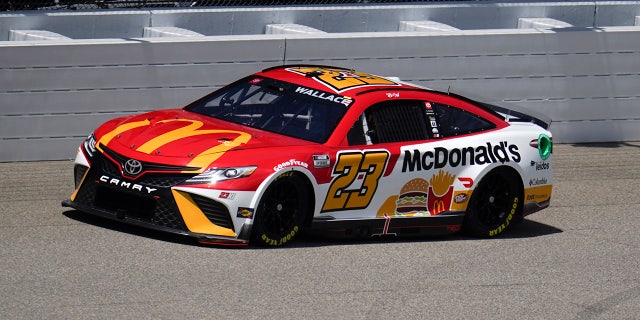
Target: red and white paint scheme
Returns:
[[319, 148]]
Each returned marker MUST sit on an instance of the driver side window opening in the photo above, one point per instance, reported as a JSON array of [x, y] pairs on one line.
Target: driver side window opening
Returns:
[[396, 121]]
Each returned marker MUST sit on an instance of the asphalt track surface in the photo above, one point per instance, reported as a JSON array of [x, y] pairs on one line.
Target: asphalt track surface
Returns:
[[578, 259]]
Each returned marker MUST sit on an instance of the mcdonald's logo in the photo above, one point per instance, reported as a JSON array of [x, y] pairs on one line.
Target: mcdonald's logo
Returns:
[[439, 203], [438, 206], [189, 129]]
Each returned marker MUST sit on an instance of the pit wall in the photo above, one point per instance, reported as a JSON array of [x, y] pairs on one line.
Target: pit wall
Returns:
[[63, 73]]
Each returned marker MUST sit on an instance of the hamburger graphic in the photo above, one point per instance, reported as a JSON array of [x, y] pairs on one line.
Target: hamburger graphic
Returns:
[[413, 198]]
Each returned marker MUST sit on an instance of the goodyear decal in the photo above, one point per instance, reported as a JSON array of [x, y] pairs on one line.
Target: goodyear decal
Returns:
[[340, 80]]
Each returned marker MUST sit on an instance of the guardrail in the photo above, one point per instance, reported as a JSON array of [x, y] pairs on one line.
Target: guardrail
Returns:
[[54, 92]]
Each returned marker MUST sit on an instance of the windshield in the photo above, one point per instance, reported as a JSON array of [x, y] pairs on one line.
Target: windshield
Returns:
[[276, 106]]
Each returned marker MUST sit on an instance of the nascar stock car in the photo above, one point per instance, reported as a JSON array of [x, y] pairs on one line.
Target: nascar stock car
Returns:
[[319, 148]]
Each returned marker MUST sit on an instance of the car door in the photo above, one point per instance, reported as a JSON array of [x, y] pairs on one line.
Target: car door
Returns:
[[365, 175]]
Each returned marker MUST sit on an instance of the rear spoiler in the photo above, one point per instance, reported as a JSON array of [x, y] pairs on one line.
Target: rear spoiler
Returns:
[[521, 115]]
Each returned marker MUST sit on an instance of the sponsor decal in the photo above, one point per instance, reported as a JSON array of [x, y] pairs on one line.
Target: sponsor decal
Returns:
[[392, 95], [440, 192], [466, 182], [461, 198], [325, 96], [321, 161], [542, 165], [227, 195], [433, 123], [127, 185], [538, 193], [339, 80], [537, 181], [441, 157], [289, 163], [245, 213]]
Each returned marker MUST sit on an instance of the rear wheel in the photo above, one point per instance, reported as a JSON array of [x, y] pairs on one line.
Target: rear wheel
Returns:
[[495, 204], [281, 212]]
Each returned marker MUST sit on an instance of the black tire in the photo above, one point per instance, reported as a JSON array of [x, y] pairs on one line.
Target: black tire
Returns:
[[495, 204], [281, 213]]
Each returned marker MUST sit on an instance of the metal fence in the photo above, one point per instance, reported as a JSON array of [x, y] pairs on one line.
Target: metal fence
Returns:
[[14, 5]]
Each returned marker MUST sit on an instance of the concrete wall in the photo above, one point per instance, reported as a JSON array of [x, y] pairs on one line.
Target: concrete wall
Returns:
[[578, 63]]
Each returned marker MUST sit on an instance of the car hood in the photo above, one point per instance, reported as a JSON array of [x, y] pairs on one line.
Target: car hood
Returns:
[[183, 138]]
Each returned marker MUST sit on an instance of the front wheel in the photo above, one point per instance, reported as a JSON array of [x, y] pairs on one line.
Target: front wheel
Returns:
[[281, 212], [495, 204]]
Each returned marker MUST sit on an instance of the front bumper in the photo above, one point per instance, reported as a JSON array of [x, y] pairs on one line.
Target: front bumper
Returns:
[[242, 240], [152, 202]]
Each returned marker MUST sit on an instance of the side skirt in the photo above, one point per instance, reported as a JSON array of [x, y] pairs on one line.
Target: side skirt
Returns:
[[441, 224]]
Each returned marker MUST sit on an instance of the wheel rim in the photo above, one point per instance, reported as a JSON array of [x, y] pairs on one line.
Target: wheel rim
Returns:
[[281, 209], [494, 200]]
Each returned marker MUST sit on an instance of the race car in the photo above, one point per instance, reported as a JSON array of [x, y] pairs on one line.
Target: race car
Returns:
[[325, 149]]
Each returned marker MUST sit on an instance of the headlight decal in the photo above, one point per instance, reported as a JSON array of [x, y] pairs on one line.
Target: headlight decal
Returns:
[[89, 145], [214, 175]]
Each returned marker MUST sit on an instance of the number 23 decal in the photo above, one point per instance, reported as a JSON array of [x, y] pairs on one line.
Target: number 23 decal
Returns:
[[343, 193]]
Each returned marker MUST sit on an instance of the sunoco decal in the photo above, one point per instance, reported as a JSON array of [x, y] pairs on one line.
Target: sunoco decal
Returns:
[[245, 213], [440, 157]]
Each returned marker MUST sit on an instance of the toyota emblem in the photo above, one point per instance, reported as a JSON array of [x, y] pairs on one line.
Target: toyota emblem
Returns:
[[132, 167]]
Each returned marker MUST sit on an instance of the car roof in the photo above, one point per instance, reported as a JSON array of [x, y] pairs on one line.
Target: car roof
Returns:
[[338, 80], [351, 83]]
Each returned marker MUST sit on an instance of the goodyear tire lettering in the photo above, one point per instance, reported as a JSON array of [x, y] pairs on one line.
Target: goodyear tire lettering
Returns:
[[504, 225]]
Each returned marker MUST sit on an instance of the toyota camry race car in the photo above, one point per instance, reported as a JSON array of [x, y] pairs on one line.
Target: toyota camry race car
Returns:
[[321, 148]]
